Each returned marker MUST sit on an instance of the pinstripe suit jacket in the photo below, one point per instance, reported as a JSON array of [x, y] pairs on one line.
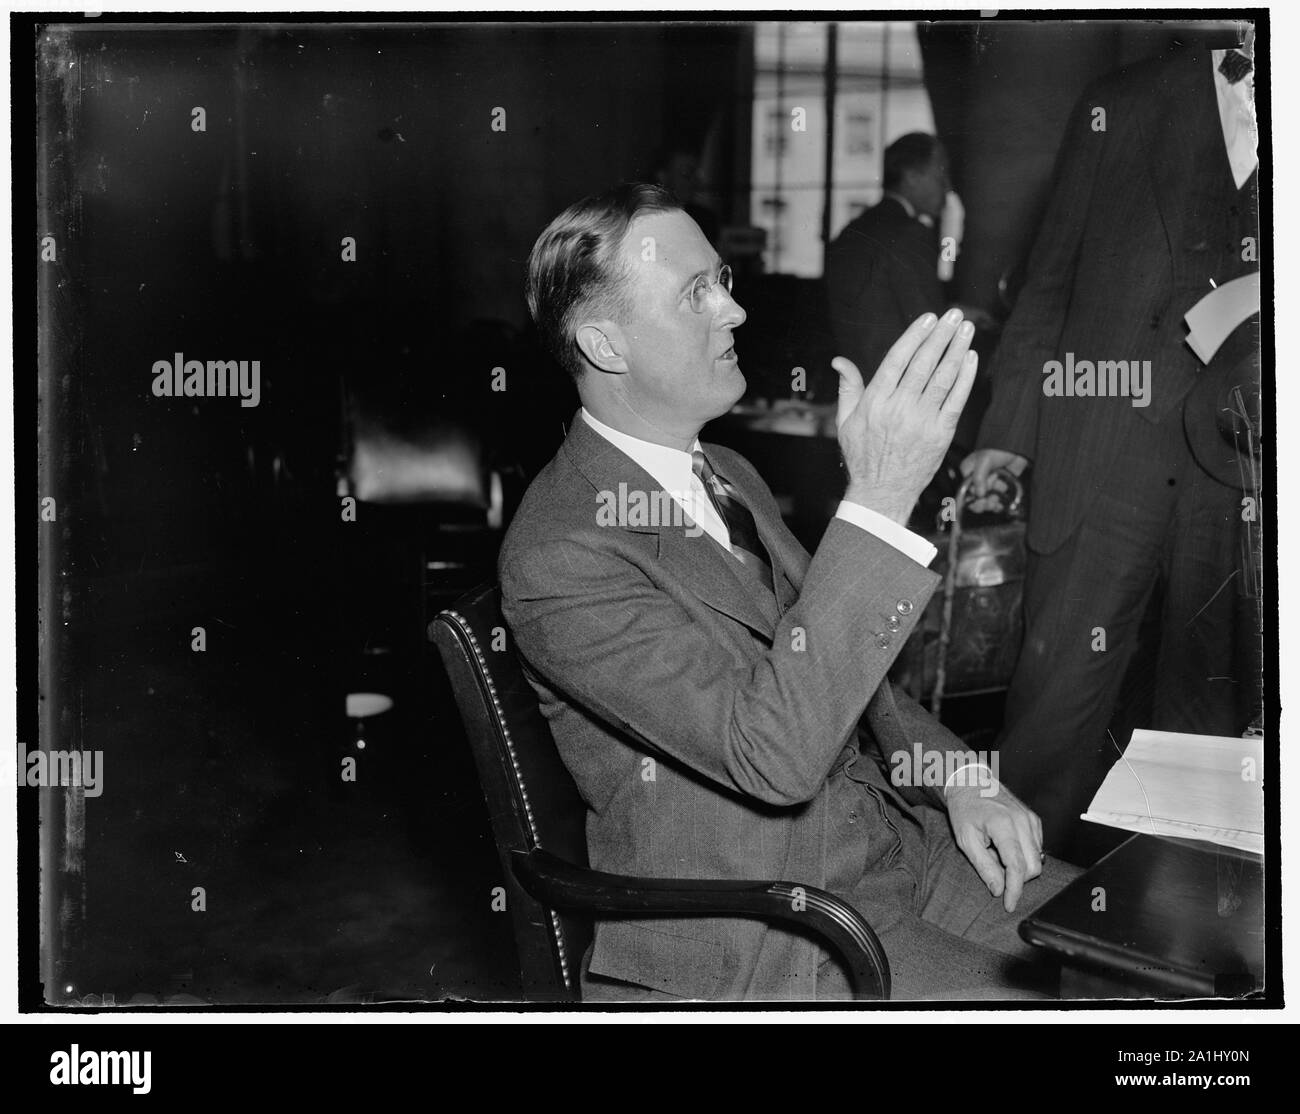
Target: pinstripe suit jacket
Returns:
[[1129, 242], [699, 721]]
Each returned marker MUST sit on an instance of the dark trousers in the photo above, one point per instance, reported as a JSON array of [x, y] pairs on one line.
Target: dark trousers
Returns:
[[1160, 535]]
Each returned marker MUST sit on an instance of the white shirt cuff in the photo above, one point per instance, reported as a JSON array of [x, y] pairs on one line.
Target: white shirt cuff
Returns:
[[887, 530]]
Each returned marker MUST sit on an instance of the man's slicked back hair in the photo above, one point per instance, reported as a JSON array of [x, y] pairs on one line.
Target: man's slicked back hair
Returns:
[[575, 270]]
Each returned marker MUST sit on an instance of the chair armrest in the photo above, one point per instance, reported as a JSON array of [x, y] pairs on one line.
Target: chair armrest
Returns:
[[557, 883]]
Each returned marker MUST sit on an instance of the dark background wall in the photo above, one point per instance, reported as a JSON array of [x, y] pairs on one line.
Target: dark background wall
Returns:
[[226, 244]]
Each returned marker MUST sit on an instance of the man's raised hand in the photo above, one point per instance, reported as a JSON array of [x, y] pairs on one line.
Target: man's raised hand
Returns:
[[895, 430]]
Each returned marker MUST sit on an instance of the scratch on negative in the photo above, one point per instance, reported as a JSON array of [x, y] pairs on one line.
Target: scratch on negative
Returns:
[[1207, 603]]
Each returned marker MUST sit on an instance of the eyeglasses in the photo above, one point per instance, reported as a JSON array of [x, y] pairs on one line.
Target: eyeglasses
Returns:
[[701, 288]]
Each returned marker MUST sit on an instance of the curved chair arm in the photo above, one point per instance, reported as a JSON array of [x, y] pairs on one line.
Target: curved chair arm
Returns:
[[557, 883]]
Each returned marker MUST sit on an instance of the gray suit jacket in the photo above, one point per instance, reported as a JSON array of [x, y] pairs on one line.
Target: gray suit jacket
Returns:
[[700, 723]]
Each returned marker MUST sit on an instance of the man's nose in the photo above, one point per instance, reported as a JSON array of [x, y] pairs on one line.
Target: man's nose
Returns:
[[730, 311]]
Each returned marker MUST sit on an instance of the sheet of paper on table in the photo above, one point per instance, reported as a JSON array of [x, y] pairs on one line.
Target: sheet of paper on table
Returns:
[[1206, 787]]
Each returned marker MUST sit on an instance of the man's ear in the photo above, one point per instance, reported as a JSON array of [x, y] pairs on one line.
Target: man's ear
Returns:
[[600, 342]]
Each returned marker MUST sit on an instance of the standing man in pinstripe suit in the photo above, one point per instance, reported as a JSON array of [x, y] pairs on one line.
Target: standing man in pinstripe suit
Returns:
[[1154, 205]]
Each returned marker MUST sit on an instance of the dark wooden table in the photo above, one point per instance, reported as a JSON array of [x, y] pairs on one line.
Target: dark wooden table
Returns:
[[1158, 918]]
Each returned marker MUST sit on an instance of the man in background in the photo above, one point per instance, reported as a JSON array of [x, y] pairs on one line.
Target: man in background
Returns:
[[882, 269]]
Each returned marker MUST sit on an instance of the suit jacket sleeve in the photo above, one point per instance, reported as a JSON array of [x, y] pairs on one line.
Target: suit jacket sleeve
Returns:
[[598, 629], [1032, 333], [899, 724]]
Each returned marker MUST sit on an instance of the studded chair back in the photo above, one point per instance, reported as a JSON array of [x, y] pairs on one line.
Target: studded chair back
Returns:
[[531, 799]]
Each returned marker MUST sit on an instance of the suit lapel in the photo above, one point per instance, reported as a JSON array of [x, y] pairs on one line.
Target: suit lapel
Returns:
[[697, 562], [712, 574], [791, 558]]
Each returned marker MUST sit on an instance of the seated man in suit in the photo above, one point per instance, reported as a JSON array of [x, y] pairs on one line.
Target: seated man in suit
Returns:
[[704, 678]]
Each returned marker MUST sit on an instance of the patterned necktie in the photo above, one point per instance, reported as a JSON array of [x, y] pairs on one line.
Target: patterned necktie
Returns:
[[1235, 66], [746, 546]]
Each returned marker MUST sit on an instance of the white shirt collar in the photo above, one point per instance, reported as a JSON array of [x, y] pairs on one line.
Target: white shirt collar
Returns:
[[671, 468], [1237, 119]]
